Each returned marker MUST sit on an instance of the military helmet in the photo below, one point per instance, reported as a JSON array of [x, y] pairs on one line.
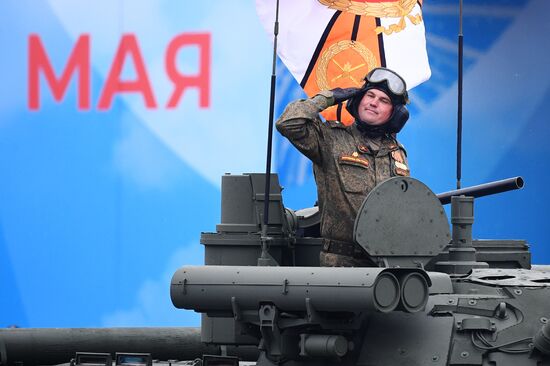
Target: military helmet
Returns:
[[395, 87]]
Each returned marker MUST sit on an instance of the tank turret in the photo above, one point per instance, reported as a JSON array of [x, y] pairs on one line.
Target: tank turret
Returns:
[[437, 297], [435, 284]]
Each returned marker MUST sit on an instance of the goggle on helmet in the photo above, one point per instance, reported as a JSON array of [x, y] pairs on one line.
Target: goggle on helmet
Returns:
[[394, 82]]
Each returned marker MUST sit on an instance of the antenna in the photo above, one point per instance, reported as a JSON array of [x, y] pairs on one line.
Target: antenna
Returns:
[[265, 258], [459, 114]]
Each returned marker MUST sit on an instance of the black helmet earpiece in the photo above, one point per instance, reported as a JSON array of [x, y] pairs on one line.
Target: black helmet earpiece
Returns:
[[398, 119]]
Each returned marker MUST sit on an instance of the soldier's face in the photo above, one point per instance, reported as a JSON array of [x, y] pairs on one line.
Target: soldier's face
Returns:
[[375, 108]]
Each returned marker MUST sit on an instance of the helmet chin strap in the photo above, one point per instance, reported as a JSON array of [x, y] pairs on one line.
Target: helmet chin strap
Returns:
[[370, 130]]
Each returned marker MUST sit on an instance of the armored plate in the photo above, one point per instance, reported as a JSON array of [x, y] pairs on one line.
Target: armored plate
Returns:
[[402, 218], [539, 277], [406, 339]]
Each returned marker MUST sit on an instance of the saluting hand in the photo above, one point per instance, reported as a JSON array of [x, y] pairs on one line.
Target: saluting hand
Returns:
[[341, 95]]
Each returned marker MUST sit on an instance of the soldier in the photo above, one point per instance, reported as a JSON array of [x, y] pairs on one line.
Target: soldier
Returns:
[[349, 161]]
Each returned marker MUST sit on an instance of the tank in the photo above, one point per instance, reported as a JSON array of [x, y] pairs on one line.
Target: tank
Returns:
[[437, 296]]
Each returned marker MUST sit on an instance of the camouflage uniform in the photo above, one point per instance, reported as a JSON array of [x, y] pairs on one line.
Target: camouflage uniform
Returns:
[[346, 168]]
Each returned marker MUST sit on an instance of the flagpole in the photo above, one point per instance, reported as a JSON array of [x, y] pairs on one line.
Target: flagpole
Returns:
[[459, 114], [265, 257]]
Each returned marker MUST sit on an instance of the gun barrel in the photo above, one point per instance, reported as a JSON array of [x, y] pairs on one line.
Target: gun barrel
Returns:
[[50, 346], [483, 189], [225, 290]]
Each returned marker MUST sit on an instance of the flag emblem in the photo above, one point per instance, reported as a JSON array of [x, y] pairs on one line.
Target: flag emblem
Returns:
[[380, 9], [344, 63]]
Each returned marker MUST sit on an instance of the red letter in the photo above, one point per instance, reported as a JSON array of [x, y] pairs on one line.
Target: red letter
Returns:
[[128, 46], [181, 82], [38, 60]]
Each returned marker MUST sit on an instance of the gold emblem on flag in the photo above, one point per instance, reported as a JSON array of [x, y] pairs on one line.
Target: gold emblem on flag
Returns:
[[386, 9], [344, 64]]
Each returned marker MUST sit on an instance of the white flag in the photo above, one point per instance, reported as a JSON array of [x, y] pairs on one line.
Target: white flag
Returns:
[[334, 43]]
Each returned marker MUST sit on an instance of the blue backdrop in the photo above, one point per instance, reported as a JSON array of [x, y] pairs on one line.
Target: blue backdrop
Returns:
[[99, 207]]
